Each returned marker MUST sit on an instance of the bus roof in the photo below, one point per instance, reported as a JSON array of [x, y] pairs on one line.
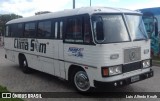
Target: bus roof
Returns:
[[71, 12]]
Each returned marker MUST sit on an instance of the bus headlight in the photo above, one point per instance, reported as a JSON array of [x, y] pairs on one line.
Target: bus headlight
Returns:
[[111, 71], [146, 63], [115, 70]]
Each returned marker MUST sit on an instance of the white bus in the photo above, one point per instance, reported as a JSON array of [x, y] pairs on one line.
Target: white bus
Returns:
[[90, 47]]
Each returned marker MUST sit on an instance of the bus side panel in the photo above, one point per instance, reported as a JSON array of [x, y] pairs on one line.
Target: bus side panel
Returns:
[[7, 46], [62, 69], [47, 65], [7, 43], [52, 60], [10, 55], [33, 62]]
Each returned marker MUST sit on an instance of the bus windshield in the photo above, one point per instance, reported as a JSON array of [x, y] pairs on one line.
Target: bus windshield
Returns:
[[114, 30], [136, 27]]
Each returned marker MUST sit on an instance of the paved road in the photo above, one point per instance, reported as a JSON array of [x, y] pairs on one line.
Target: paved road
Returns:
[[16, 81]]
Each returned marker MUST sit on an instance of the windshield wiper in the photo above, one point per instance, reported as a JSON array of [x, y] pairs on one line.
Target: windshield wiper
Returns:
[[138, 39]]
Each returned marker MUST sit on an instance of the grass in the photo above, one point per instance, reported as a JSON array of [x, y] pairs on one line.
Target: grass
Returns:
[[4, 90]]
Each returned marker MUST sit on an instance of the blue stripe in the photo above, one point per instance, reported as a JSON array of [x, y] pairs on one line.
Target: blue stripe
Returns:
[[155, 11]]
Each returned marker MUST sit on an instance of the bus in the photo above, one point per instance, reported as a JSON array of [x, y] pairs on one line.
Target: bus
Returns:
[[90, 47], [151, 18]]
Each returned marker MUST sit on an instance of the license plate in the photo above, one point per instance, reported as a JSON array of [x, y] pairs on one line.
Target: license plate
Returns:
[[135, 78]]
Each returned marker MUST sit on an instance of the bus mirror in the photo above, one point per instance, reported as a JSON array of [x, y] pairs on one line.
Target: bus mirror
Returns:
[[99, 31], [156, 29]]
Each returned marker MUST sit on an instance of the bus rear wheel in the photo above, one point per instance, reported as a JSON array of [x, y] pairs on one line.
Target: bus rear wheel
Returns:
[[24, 65], [80, 81]]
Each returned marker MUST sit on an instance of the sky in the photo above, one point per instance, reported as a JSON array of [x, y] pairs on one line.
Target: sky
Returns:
[[27, 8]]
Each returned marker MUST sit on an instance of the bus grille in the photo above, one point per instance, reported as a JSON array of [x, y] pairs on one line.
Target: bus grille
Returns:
[[132, 54], [131, 67]]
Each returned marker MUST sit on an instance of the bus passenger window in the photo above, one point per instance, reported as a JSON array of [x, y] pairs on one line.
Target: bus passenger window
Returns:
[[56, 30], [20, 30], [13, 30], [30, 30], [74, 30], [7, 31], [44, 29], [61, 30], [87, 36]]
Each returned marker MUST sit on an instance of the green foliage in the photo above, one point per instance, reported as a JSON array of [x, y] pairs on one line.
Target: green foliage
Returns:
[[4, 18], [4, 89]]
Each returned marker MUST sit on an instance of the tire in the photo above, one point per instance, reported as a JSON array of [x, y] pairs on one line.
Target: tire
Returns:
[[24, 65], [80, 81]]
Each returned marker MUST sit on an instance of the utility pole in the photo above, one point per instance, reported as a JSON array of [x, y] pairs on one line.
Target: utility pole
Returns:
[[90, 3], [73, 4]]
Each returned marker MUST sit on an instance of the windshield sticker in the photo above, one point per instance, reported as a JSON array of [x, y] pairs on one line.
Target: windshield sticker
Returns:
[[77, 52]]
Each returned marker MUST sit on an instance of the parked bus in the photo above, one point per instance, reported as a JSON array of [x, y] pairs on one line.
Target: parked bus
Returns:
[[90, 47], [151, 18]]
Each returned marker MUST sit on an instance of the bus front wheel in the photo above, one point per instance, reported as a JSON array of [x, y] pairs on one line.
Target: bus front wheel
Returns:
[[80, 81]]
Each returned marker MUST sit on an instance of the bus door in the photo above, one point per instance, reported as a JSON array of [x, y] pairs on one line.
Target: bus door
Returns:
[[58, 49]]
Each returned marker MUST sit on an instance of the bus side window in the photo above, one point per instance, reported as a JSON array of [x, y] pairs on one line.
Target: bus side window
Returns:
[[56, 30], [74, 30], [20, 30], [30, 30], [87, 31], [7, 34], [58, 25], [61, 30], [44, 29], [13, 30]]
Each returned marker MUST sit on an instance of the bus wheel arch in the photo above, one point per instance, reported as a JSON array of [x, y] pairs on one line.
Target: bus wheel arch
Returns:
[[78, 77], [23, 64]]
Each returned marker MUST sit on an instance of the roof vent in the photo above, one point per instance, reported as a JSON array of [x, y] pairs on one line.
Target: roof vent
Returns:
[[97, 9]]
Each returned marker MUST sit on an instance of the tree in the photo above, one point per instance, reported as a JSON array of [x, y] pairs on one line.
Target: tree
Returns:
[[4, 18]]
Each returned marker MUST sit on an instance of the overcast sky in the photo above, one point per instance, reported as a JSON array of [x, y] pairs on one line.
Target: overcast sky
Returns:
[[29, 7]]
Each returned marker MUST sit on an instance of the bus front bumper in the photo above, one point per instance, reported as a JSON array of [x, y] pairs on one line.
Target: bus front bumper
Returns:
[[126, 81]]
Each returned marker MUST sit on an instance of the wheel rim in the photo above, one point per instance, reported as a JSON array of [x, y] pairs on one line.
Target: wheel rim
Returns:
[[24, 63], [81, 81]]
